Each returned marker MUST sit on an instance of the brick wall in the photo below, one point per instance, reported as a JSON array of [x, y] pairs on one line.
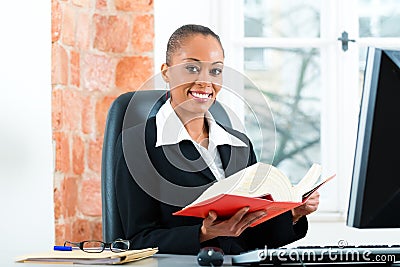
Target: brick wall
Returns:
[[100, 49]]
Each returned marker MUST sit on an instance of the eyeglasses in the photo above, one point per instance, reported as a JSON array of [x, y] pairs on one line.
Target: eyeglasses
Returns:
[[95, 246]]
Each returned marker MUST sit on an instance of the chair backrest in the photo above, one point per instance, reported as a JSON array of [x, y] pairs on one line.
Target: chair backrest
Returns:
[[144, 105]]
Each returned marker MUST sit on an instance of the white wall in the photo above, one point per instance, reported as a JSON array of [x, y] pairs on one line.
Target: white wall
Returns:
[[26, 160]]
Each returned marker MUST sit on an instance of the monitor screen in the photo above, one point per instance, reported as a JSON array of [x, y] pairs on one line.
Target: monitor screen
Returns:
[[375, 188]]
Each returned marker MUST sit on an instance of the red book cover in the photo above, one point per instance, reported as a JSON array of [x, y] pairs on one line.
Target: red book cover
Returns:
[[226, 205]]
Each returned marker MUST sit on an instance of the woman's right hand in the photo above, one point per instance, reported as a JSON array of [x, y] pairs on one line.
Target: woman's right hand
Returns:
[[234, 226]]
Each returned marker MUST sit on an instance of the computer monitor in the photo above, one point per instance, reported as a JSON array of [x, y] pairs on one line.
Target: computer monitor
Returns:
[[375, 188]]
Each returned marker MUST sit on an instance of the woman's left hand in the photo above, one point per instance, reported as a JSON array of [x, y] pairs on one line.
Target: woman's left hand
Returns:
[[308, 207]]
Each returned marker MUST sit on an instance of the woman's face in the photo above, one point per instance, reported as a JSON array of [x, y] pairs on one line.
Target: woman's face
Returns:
[[195, 74]]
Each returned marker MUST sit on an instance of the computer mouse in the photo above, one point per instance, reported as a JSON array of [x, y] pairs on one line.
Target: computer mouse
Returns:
[[210, 256]]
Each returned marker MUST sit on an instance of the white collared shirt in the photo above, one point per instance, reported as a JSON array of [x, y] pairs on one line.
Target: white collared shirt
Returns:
[[170, 130]]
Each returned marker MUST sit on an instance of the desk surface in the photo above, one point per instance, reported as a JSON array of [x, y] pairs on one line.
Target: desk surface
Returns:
[[158, 260]]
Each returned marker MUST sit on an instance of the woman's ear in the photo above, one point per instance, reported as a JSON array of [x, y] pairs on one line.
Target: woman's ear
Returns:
[[164, 72]]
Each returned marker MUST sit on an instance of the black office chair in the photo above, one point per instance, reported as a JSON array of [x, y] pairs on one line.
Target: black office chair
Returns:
[[145, 104]]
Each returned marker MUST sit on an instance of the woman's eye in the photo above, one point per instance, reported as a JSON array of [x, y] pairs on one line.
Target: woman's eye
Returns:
[[215, 71], [192, 69]]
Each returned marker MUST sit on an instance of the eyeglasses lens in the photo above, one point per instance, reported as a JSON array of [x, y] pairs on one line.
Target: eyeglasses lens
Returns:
[[93, 246], [120, 245]]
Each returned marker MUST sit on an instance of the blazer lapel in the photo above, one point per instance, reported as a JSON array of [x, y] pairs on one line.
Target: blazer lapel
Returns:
[[233, 158], [225, 154], [194, 160], [183, 155]]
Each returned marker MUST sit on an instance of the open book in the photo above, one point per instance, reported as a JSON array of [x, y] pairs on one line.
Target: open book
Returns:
[[81, 257], [259, 186]]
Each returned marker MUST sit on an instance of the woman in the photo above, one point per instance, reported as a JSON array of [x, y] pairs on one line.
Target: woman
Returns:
[[186, 147]]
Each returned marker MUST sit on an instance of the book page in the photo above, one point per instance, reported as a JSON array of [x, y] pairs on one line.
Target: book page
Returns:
[[238, 183], [249, 179], [309, 180], [274, 182], [81, 257], [261, 179]]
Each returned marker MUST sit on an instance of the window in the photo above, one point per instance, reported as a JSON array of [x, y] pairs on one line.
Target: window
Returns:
[[288, 76], [290, 51]]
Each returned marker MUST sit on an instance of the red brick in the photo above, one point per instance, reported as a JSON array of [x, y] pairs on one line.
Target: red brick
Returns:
[[78, 155], [56, 107], [132, 72], [87, 115], [94, 155], [101, 4], [90, 197], [143, 33], [60, 235], [66, 105], [55, 20], [83, 32], [81, 230], [68, 26], [82, 3], [74, 68], [68, 224], [102, 107], [98, 72], [134, 5], [59, 65], [111, 33], [58, 204], [62, 152], [97, 229], [72, 104], [70, 196]]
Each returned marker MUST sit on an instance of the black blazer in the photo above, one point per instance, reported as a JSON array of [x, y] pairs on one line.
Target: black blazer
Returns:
[[148, 221]]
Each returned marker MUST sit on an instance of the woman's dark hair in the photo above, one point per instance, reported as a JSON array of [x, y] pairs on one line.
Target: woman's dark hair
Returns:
[[180, 34]]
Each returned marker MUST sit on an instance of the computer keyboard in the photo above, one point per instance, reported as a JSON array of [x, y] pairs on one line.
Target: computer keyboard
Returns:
[[374, 254]]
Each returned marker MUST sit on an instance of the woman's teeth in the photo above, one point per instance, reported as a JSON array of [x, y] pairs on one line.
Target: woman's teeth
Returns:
[[200, 95]]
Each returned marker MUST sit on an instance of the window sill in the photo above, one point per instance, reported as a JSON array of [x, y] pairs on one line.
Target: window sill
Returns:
[[328, 217]]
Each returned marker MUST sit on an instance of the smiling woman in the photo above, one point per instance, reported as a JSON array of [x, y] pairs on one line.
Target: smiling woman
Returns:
[[185, 146], [194, 73]]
